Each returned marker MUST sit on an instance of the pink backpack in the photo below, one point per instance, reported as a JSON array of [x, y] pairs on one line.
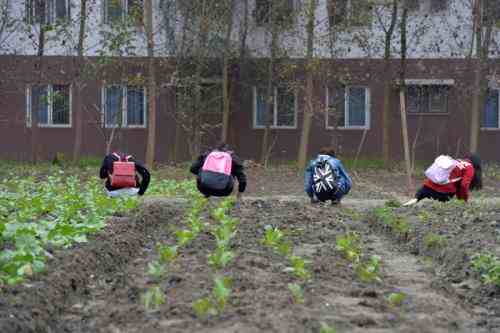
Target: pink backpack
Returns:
[[219, 162]]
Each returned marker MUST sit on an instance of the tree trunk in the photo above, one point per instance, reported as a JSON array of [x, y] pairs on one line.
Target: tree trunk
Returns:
[[402, 101], [386, 114], [79, 119], [270, 89], [151, 144], [480, 75], [225, 75], [309, 109]]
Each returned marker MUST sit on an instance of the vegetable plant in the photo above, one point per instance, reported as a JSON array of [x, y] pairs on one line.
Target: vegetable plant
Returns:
[[297, 293], [153, 298]]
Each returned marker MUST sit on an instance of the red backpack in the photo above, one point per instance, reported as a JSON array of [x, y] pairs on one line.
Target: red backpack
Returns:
[[123, 175]]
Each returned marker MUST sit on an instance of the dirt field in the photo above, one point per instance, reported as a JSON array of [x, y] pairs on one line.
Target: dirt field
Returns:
[[97, 287]]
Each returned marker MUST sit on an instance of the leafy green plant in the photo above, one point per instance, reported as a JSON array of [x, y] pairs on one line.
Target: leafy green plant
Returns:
[[272, 236], [396, 299], [297, 293], [153, 298], [167, 253], [57, 210], [298, 268], [349, 245], [156, 270], [220, 257], [434, 241], [221, 292], [203, 307], [325, 328], [488, 266], [184, 236], [369, 271]]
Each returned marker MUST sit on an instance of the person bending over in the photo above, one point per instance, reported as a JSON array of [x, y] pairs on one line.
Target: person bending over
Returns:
[[124, 175], [216, 170], [326, 179]]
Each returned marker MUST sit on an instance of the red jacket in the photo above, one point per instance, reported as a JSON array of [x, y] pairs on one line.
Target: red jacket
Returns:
[[465, 171]]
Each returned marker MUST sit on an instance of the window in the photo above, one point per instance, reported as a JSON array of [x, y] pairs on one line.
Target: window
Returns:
[[427, 99], [491, 11], [116, 11], [490, 116], [283, 8], [348, 107], [414, 5], [284, 108], [439, 5], [49, 105], [356, 13], [47, 11], [168, 19], [124, 106]]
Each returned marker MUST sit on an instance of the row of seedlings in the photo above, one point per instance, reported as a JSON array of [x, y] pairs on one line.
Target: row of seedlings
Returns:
[[157, 269], [275, 239], [223, 232]]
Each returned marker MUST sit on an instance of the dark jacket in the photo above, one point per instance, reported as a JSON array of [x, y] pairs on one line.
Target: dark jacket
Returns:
[[107, 169], [236, 172]]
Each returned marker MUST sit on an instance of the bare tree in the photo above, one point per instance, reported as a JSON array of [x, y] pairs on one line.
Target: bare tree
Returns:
[[309, 107], [151, 91], [483, 28]]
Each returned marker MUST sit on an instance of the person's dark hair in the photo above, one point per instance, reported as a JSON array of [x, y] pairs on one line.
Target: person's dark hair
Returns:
[[222, 146], [477, 181], [327, 151]]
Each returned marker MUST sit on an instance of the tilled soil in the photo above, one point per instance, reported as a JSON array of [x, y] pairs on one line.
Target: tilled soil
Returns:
[[445, 237], [97, 287]]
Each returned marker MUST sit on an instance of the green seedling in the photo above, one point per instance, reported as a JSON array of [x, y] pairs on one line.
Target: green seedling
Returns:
[[272, 236], [203, 308], [488, 266], [156, 270], [298, 268], [223, 234], [167, 253], [325, 328], [221, 292], [195, 223], [434, 241], [369, 271], [153, 298], [284, 248], [297, 293], [392, 203], [396, 299], [349, 245], [220, 257], [184, 236]]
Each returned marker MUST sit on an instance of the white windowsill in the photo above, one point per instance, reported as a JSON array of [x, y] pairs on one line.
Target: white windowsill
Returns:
[[53, 126], [490, 129], [276, 127], [351, 128]]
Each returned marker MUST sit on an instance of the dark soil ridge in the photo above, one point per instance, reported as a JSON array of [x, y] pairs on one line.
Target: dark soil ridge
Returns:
[[37, 305], [459, 233]]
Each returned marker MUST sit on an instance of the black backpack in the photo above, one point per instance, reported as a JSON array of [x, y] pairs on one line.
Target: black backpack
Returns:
[[325, 180]]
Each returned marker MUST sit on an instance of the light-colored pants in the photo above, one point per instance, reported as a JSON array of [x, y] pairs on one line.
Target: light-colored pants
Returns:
[[123, 192]]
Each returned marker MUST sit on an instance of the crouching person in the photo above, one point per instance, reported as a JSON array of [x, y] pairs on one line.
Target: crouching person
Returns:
[[448, 177], [326, 179], [216, 170], [124, 175]]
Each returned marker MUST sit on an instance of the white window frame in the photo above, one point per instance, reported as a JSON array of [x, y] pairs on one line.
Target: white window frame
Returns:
[[50, 11], [124, 5], [124, 123], [50, 110], [274, 124], [497, 90], [346, 125]]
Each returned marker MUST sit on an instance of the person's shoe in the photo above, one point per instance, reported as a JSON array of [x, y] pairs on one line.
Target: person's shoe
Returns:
[[314, 201], [335, 202], [411, 202]]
